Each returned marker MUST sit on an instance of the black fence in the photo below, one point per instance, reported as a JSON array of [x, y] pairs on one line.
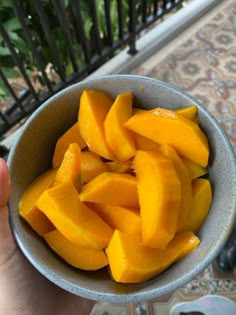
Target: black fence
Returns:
[[46, 45]]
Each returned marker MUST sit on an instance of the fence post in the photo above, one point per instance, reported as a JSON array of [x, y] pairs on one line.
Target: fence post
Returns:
[[132, 27]]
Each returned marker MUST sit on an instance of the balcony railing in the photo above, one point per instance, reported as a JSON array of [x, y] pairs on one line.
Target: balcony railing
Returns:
[[46, 45]]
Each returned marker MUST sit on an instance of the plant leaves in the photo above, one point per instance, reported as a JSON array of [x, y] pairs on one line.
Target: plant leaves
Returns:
[[4, 51], [10, 73], [12, 25]]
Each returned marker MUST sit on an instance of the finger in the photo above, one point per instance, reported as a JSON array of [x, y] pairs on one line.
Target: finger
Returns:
[[4, 183], [7, 243]]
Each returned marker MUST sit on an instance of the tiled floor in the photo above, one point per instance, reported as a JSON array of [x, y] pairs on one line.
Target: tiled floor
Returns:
[[202, 61]]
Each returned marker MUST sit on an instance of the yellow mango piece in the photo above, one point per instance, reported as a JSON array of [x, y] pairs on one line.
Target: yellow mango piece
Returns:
[[79, 224], [91, 166], [72, 135], [189, 113], [94, 106], [119, 167], [159, 191], [202, 199], [132, 262], [186, 184], [138, 110], [167, 127], [120, 139], [145, 144], [70, 168], [27, 208], [79, 257], [125, 219], [112, 188], [194, 169]]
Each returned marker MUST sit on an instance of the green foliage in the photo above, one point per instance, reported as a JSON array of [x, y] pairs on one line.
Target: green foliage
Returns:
[[17, 37]]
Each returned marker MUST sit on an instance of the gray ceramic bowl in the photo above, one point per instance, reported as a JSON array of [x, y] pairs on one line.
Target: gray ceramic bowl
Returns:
[[32, 155]]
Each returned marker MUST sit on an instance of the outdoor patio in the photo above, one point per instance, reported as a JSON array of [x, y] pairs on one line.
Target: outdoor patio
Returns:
[[201, 60]]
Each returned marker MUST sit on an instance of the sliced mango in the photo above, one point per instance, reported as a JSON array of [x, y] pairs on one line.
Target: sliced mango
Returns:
[[186, 184], [94, 106], [124, 219], [79, 224], [189, 112], [79, 257], [111, 188], [70, 168], [72, 135], [27, 208], [202, 199], [91, 166], [195, 170], [120, 139], [159, 191], [119, 167], [132, 262], [145, 144], [167, 127]]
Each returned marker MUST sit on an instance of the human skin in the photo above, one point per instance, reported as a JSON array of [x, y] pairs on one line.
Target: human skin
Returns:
[[23, 290]]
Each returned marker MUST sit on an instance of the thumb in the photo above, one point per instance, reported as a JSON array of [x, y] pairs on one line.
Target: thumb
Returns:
[[7, 244], [4, 183]]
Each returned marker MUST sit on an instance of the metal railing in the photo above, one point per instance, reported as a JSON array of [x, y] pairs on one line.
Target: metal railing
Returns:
[[46, 45]]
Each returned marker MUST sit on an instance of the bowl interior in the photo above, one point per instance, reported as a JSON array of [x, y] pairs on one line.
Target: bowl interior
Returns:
[[32, 155]]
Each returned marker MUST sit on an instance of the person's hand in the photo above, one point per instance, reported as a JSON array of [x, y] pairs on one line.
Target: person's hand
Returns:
[[23, 291]]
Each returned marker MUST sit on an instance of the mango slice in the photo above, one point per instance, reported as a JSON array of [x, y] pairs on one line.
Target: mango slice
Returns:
[[27, 206], [167, 127], [111, 188], [91, 166], [194, 169], [132, 262], [72, 135], [94, 106], [79, 224], [70, 168], [79, 257], [145, 144], [119, 167], [189, 112], [124, 219], [202, 199], [159, 191], [120, 139], [186, 184]]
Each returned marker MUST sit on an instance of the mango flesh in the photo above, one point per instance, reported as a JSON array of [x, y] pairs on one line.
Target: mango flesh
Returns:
[[124, 219], [159, 191], [79, 257], [112, 188], [119, 167], [120, 139], [27, 206], [91, 166], [189, 112], [145, 144], [71, 217], [154, 124], [195, 170], [70, 168], [94, 106], [132, 262], [72, 135], [186, 184], [202, 199], [145, 187]]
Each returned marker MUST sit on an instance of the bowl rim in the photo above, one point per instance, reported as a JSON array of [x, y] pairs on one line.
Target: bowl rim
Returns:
[[134, 296]]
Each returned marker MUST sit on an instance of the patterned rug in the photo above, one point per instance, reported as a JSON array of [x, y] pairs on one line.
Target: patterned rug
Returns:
[[204, 66]]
